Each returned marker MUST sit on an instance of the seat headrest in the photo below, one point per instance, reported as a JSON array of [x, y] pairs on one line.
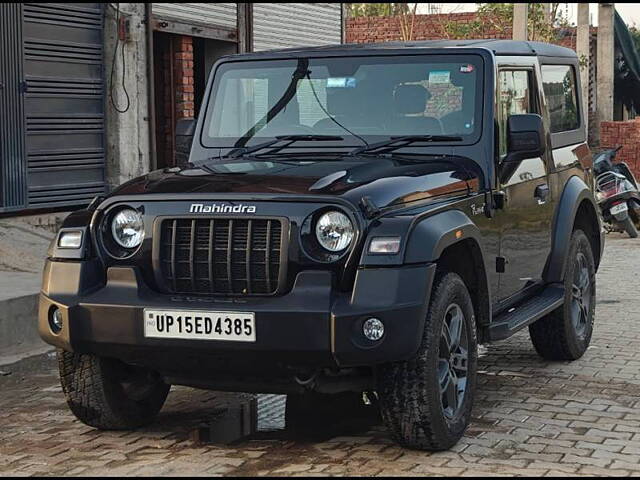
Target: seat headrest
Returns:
[[411, 98], [342, 101]]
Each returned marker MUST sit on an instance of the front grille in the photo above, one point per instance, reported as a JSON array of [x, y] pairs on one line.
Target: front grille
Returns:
[[220, 256]]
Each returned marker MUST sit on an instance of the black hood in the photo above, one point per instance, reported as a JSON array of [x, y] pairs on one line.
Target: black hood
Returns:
[[386, 181]]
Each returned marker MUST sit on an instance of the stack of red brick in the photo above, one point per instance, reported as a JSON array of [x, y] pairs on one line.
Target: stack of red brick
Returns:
[[626, 134], [183, 63]]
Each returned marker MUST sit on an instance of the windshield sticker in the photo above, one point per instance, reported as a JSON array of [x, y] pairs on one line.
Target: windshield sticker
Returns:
[[341, 82], [440, 76], [466, 68]]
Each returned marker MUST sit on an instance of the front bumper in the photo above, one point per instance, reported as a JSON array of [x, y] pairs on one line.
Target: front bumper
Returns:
[[314, 325]]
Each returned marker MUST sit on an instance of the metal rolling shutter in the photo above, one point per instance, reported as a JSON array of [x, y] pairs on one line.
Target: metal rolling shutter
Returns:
[[64, 103], [284, 25], [223, 14], [12, 164]]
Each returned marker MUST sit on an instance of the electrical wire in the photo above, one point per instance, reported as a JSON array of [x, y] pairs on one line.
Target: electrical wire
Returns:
[[113, 66], [308, 76]]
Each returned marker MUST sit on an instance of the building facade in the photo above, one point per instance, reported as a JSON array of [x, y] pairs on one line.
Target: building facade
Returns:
[[94, 94]]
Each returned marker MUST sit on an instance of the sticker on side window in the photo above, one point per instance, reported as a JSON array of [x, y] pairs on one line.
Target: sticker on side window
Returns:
[[439, 76]]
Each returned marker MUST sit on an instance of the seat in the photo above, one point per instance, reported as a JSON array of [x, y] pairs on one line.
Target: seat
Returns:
[[410, 101], [347, 106]]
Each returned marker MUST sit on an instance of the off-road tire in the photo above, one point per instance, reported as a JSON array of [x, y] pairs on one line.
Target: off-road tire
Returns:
[[97, 398], [409, 391], [629, 227], [554, 336]]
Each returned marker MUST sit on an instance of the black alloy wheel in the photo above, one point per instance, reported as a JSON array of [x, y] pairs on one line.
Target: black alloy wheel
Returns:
[[453, 359]]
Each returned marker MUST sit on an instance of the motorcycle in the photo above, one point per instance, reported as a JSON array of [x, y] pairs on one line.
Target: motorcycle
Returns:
[[617, 192]]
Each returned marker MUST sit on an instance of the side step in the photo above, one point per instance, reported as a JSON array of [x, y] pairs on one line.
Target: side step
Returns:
[[514, 319]]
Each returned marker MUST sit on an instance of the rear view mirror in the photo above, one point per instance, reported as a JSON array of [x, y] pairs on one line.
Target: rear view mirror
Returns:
[[525, 137]]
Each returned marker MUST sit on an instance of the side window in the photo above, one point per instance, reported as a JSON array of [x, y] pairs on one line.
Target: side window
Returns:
[[514, 97], [559, 85]]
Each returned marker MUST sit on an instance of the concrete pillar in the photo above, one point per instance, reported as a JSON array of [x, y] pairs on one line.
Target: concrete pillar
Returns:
[[604, 59], [127, 139], [520, 21], [245, 27], [582, 49], [546, 12]]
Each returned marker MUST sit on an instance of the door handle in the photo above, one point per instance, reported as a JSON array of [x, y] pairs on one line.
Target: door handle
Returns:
[[542, 193]]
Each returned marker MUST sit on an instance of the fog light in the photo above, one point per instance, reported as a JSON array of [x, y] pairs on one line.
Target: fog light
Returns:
[[373, 329], [55, 320], [71, 239]]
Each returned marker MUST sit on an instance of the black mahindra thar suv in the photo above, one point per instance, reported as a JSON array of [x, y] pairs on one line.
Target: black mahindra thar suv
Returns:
[[353, 218]]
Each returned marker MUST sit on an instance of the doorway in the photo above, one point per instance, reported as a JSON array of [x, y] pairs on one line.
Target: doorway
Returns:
[[181, 68]]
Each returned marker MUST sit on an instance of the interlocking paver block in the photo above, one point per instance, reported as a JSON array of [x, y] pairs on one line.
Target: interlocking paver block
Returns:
[[531, 417]]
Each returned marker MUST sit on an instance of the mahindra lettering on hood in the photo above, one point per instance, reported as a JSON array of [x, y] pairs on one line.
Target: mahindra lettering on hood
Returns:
[[218, 208]]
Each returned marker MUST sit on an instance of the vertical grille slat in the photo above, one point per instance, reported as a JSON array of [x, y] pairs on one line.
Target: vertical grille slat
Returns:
[[247, 258], [229, 255], [173, 253], [192, 254], [267, 259], [211, 254], [220, 256]]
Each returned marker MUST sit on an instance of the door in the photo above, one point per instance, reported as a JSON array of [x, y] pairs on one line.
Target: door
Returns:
[[525, 221], [12, 161], [64, 103]]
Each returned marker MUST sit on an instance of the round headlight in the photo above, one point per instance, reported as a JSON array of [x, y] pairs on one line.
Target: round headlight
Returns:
[[127, 228], [334, 231]]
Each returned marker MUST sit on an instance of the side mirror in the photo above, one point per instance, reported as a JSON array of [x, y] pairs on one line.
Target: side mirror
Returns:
[[184, 137], [525, 137]]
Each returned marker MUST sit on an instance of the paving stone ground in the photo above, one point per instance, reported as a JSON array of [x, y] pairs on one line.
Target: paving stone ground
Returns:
[[531, 417]]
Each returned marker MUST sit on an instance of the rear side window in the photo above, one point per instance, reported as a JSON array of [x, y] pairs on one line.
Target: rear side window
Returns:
[[559, 83]]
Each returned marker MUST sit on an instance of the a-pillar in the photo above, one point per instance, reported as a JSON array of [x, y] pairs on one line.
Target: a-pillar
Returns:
[[604, 63]]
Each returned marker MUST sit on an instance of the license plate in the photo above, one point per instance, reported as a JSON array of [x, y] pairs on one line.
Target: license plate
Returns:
[[621, 207], [200, 325]]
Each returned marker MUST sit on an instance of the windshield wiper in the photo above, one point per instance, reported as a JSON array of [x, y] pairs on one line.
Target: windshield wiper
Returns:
[[244, 151], [402, 141]]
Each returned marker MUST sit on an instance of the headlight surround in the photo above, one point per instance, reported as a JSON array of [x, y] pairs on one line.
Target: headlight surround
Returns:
[[127, 228], [334, 231]]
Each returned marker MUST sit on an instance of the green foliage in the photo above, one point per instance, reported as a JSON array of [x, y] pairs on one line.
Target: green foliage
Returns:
[[635, 34], [498, 17], [376, 9]]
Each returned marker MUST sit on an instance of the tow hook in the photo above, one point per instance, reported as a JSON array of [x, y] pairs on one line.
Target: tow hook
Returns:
[[309, 382]]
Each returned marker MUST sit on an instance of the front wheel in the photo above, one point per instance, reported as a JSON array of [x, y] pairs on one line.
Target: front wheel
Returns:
[[565, 333], [108, 394], [426, 401], [629, 227]]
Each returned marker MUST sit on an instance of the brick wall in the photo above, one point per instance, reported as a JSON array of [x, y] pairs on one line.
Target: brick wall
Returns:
[[183, 76], [432, 27], [626, 134], [426, 27], [177, 87]]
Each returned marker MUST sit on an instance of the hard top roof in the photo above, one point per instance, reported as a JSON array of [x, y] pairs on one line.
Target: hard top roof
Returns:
[[499, 47]]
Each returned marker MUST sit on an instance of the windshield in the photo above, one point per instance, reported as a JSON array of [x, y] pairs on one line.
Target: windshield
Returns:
[[361, 100]]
